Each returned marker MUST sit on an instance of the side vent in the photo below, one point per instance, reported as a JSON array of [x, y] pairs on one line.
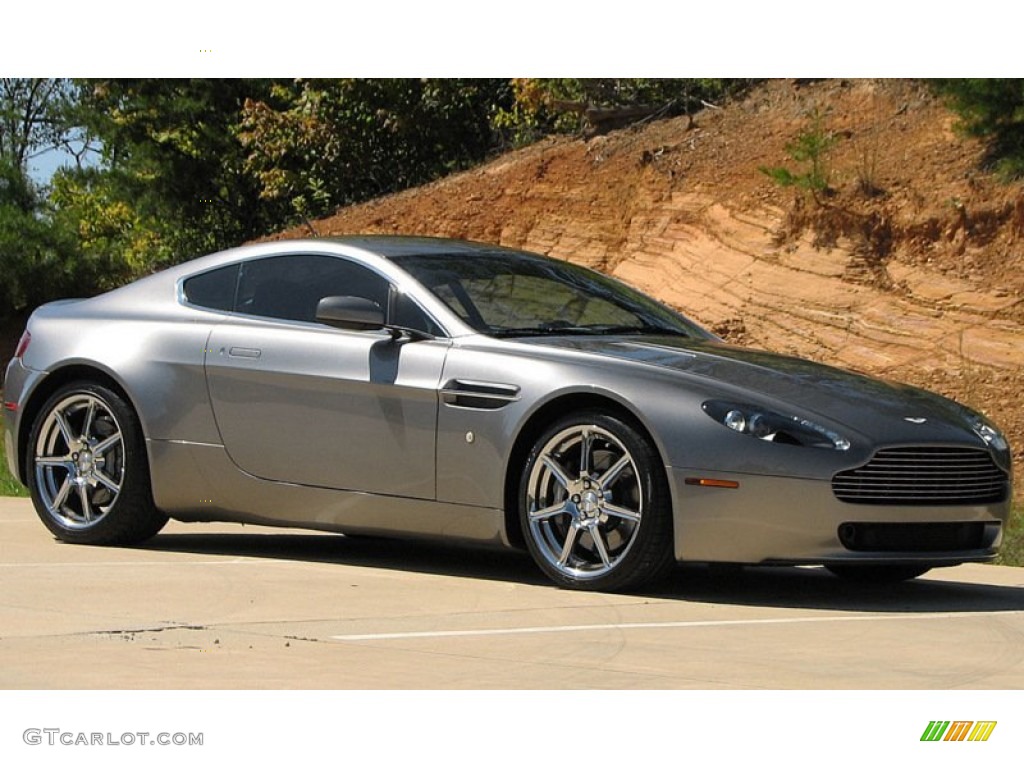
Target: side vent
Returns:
[[480, 395]]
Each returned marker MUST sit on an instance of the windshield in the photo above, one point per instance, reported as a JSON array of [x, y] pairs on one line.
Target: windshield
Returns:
[[502, 293]]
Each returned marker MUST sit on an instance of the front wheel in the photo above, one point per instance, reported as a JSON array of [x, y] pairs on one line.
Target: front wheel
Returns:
[[87, 468], [594, 504]]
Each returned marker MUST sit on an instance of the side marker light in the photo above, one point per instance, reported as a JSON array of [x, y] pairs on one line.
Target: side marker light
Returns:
[[711, 482]]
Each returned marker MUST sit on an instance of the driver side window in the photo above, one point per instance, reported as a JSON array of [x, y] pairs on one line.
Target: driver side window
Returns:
[[290, 287]]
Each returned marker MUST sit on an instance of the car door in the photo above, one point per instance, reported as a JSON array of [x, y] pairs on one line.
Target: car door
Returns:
[[299, 402]]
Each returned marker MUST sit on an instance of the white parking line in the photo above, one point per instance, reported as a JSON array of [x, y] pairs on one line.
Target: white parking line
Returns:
[[661, 625], [133, 563]]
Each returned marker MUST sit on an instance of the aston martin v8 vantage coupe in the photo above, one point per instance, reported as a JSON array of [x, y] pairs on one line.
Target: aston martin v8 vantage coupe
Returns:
[[433, 388]]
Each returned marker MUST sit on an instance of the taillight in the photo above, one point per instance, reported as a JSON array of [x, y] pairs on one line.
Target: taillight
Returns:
[[26, 337]]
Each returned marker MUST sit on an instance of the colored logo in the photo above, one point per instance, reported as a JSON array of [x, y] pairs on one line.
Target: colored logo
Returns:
[[958, 730]]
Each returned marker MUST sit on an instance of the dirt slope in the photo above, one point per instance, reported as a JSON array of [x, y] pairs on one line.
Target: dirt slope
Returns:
[[912, 270]]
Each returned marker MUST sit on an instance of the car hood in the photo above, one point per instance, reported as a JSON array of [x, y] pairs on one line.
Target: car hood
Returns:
[[871, 406]]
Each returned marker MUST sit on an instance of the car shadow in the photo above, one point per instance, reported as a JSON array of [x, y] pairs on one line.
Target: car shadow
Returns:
[[436, 558], [768, 586], [817, 589]]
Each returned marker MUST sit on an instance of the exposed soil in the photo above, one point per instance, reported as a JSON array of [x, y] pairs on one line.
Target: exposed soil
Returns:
[[910, 268]]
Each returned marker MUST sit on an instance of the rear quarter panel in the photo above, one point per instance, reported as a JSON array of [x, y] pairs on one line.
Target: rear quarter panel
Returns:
[[155, 355]]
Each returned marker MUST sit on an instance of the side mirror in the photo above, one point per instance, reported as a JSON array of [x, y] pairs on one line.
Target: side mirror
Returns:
[[350, 313]]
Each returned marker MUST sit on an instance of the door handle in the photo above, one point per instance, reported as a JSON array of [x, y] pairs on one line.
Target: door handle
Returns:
[[249, 352]]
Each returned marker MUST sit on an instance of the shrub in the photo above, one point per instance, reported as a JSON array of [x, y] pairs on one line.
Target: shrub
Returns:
[[811, 148]]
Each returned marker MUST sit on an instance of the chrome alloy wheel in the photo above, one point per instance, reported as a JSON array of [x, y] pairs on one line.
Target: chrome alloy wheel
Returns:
[[584, 502], [79, 461]]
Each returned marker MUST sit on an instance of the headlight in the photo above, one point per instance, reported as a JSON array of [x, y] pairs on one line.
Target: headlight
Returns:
[[774, 427], [989, 433]]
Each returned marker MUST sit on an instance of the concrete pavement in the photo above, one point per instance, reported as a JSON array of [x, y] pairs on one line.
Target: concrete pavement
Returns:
[[227, 606]]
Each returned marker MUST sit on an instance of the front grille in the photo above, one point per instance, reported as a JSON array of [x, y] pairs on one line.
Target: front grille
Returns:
[[917, 537], [924, 475]]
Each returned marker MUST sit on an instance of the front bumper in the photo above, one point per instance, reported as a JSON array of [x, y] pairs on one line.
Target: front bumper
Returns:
[[782, 520]]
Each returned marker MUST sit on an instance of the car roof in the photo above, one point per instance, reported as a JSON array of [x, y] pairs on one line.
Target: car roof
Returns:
[[153, 289], [390, 246]]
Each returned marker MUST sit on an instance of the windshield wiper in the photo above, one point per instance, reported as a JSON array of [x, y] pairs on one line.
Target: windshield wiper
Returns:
[[587, 330], [624, 330], [535, 331]]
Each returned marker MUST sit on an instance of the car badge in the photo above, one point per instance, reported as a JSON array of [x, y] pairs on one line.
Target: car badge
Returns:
[[915, 419]]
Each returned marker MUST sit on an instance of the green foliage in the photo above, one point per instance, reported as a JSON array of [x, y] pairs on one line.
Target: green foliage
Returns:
[[115, 242], [1012, 551], [992, 109], [320, 144], [170, 184], [187, 167], [9, 486], [559, 105], [811, 148], [32, 116], [171, 155], [191, 166], [33, 251]]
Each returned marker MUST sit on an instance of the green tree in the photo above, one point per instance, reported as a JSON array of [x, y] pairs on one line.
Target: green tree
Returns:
[[811, 148], [114, 241], [186, 167], [319, 144], [33, 117], [992, 109], [172, 155], [34, 252], [566, 105]]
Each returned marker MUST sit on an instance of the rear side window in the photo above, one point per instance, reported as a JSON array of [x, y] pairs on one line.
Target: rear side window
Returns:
[[214, 289]]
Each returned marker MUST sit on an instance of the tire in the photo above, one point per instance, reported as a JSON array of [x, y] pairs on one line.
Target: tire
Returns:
[[594, 504], [878, 574], [87, 468]]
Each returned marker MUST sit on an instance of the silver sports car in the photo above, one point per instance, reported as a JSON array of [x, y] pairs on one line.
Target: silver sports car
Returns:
[[434, 388]]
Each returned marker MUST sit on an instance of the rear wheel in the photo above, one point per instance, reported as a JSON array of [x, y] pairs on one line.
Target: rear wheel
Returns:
[[878, 574], [87, 468], [594, 504]]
